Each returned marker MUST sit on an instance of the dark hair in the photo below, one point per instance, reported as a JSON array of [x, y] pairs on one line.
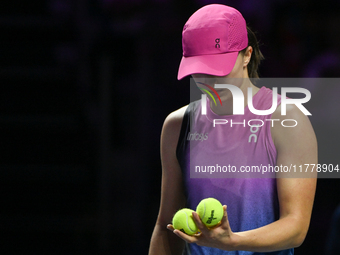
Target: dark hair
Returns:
[[256, 56]]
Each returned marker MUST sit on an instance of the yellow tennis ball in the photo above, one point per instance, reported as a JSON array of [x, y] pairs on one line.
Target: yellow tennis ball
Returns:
[[184, 221], [210, 211]]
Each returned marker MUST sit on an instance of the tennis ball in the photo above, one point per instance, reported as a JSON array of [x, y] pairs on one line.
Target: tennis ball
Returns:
[[210, 211], [184, 221]]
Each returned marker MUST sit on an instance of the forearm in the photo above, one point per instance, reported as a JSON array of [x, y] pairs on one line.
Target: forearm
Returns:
[[164, 242], [280, 235]]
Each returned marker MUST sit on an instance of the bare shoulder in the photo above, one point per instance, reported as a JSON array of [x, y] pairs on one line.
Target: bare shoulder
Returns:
[[176, 116], [172, 124], [294, 126]]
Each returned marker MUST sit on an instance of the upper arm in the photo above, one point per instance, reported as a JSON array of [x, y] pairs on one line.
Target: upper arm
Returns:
[[172, 192], [296, 146]]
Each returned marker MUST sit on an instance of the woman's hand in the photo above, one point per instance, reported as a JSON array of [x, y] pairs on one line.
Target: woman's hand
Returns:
[[220, 236]]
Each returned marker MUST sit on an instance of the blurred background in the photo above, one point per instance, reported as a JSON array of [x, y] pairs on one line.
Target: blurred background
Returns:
[[85, 88]]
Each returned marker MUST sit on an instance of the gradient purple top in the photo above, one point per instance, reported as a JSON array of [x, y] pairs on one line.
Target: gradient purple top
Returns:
[[252, 202]]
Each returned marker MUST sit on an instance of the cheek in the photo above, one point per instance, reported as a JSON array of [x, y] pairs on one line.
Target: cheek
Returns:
[[237, 71]]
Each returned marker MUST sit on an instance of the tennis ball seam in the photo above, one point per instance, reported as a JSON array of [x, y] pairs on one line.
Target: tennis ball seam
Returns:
[[188, 222], [204, 210]]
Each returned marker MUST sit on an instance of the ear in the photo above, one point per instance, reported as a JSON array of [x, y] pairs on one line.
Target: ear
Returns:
[[247, 56]]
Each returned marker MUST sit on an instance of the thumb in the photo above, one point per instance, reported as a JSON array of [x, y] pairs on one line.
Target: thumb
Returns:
[[225, 222]]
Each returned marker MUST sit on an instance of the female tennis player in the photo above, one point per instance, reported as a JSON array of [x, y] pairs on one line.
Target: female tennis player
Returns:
[[263, 214]]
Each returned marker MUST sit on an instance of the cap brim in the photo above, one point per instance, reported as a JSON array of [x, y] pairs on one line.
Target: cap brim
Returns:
[[217, 64]]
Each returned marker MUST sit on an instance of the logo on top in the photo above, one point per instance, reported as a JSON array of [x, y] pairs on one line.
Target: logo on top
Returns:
[[217, 41]]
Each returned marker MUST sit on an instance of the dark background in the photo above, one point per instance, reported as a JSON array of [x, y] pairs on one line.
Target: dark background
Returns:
[[85, 87]]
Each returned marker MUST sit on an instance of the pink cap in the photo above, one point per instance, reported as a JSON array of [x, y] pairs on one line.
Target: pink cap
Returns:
[[211, 40]]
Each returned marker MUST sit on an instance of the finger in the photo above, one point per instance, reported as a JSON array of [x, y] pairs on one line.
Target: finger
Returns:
[[170, 227], [225, 214], [225, 221], [185, 237], [203, 228]]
